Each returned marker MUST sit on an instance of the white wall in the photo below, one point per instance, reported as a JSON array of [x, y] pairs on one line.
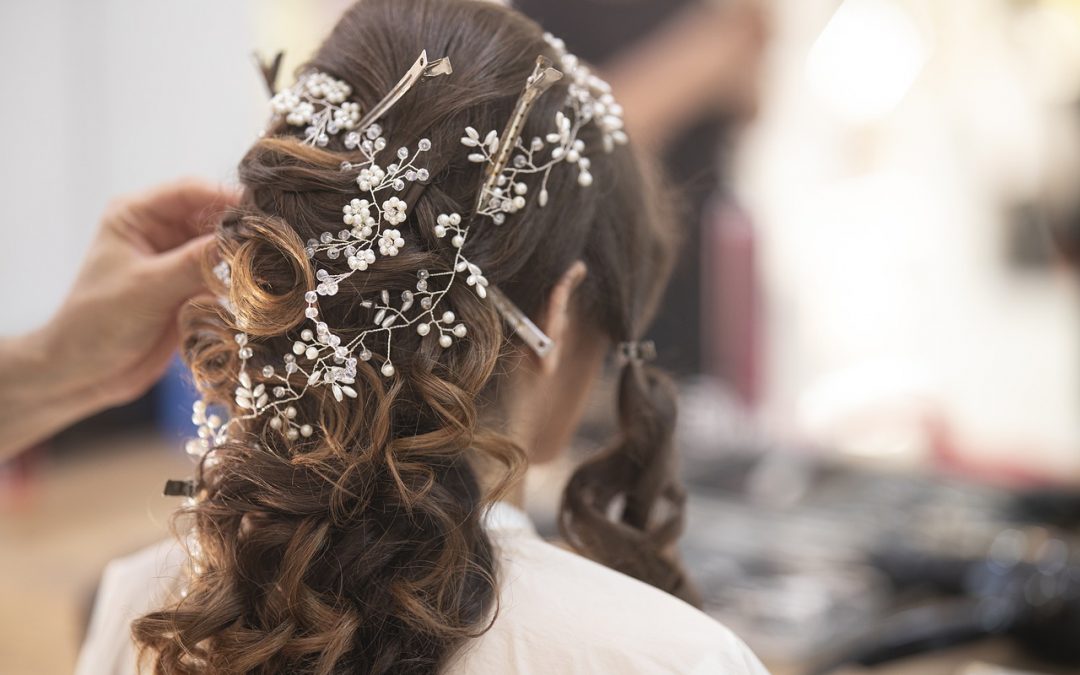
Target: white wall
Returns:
[[104, 97]]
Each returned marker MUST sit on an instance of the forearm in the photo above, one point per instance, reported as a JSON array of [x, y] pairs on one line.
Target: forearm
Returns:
[[671, 77], [661, 82], [115, 333], [36, 399]]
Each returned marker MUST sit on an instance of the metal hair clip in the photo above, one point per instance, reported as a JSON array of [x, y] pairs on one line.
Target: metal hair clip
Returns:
[[543, 76], [179, 488], [528, 331], [420, 68]]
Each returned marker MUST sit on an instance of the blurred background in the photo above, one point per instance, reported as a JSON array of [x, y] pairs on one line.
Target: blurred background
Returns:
[[875, 321]]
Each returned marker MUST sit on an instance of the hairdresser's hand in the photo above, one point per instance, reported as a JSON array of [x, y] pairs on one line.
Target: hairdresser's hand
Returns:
[[116, 332]]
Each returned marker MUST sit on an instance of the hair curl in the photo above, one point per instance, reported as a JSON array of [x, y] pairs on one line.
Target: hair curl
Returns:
[[361, 549]]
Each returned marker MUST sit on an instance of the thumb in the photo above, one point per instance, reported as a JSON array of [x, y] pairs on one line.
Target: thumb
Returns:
[[178, 272]]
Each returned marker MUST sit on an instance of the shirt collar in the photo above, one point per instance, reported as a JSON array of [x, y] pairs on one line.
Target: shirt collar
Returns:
[[503, 516]]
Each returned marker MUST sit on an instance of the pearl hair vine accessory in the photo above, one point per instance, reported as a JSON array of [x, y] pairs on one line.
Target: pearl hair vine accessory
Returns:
[[321, 357]]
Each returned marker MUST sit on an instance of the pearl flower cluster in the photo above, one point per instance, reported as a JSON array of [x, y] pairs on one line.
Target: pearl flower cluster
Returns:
[[588, 100], [318, 103], [590, 96]]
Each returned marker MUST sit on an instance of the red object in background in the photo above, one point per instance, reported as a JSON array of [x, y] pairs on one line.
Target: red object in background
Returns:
[[731, 325], [17, 478], [950, 457]]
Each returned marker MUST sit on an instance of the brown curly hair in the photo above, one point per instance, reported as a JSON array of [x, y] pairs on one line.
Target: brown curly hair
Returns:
[[361, 549]]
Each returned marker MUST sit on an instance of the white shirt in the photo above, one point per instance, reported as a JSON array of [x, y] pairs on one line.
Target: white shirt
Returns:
[[558, 613]]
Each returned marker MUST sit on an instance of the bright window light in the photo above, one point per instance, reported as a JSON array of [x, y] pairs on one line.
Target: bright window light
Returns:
[[866, 59]]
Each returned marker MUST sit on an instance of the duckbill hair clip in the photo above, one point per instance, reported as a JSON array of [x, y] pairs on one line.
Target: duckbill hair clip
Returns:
[[179, 488]]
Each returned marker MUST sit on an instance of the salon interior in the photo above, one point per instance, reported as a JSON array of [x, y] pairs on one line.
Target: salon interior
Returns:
[[874, 322]]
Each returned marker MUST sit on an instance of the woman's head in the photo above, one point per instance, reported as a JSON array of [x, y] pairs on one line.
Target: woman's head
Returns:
[[359, 547]]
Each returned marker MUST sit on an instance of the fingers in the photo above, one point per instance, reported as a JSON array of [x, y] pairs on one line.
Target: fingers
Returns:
[[135, 380], [171, 214], [176, 275]]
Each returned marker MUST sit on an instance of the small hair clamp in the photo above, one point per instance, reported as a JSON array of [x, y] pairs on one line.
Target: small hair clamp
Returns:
[[179, 488], [636, 351], [522, 325], [420, 68]]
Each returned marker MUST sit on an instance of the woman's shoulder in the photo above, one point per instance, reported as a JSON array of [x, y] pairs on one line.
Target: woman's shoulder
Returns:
[[560, 612]]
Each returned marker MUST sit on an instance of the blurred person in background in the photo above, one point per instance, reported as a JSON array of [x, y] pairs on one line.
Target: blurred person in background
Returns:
[[688, 74], [379, 529]]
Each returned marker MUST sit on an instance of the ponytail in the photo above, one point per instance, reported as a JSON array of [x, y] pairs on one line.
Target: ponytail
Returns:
[[624, 506]]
